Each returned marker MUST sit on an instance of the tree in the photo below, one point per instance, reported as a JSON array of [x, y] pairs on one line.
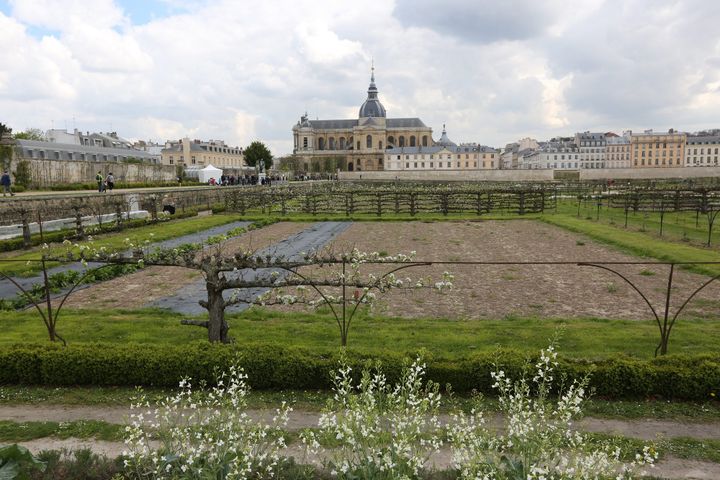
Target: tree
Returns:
[[256, 154], [31, 134], [6, 146], [290, 163]]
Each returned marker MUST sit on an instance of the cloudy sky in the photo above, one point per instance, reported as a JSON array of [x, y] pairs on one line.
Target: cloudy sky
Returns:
[[240, 70]]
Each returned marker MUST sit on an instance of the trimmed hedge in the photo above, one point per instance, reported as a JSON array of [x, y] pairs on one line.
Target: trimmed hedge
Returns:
[[280, 367]]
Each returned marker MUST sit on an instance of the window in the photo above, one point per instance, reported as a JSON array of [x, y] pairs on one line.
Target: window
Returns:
[[414, 164], [431, 164], [192, 159], [305, 142], [368, 141], [407, 164], [422, 164], [412, 140], [171, 161], [358, 145]]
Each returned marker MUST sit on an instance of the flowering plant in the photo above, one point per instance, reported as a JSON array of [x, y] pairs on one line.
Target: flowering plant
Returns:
[[538, 440], [203, 434], [378, 430]]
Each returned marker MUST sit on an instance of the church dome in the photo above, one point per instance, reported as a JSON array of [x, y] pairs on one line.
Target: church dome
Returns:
[[372, 106], [445, 141]]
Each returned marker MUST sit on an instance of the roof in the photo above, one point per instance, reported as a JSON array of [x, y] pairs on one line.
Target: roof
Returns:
[[332, 124], [405, 123], [445, 140], [703, 139], [26, 145]]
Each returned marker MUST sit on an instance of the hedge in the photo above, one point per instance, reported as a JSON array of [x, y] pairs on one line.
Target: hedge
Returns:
[[272, 366]]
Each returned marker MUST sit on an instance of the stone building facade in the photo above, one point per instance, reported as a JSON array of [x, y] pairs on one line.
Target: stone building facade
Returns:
[[658, 150], [442, 155], [356, 144], [702, 150], [188, 152]]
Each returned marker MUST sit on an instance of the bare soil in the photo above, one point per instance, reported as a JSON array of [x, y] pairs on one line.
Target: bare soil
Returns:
[[497, 291], [152, 283]]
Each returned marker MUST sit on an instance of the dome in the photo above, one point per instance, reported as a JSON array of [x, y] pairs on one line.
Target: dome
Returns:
[[445, 141], [372, 106]]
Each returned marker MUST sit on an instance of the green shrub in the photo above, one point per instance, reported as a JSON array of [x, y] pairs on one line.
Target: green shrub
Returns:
[[271, 366]]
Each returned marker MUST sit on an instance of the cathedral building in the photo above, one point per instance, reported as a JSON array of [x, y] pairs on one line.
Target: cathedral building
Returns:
[[356, 144]]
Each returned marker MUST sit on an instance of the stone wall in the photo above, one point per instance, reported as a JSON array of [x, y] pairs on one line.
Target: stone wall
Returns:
[[534, 175], [649, 173], [53, 172], [453, 175]]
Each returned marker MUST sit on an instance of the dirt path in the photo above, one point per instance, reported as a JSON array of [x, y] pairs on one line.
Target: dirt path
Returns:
[[645, 429]]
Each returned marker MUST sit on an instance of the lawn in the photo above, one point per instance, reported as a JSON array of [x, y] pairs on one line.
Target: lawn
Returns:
[[586, 338]]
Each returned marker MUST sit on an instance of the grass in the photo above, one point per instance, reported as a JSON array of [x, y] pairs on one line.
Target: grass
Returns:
[[683, 227], [638, 243], [25, 431], [587, 338], [116, 241]]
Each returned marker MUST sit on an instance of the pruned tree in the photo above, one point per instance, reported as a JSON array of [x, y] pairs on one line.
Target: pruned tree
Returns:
[[263, 279], [6, 146]]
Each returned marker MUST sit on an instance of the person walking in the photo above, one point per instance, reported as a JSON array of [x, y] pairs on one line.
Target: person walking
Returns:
[[6, 182], [110, 181], [99, 180]]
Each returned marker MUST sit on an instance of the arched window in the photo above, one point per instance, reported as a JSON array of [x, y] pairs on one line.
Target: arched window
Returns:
[[331, 143], [380, 144], [424, 141], [358, 145], [321, 144], [342, 143], [391, 141], [402, 141], [368, 141], [412, 140]]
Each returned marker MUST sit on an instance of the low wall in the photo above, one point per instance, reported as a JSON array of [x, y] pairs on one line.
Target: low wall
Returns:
[[452, 175], [53, 172], [534, 175], [649, 173]]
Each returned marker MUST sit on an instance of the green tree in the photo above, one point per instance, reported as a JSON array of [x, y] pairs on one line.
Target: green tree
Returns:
[[6, 146], [256, 154], [23, 174], [30, 134]]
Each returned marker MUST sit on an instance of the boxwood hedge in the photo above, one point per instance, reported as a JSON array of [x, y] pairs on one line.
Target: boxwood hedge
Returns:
[[270, 366]]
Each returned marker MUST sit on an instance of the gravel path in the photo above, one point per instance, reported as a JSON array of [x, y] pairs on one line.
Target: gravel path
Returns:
[[8, 290], [313, 238], [644, 429]]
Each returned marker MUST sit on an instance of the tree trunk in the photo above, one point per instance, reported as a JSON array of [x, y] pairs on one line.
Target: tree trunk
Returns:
[[217, 326]]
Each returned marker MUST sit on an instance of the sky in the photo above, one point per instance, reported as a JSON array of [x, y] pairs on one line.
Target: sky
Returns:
[[241, 70]]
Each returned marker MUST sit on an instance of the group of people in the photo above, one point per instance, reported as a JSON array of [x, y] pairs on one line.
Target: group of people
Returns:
[[105, 183], [244, 180]]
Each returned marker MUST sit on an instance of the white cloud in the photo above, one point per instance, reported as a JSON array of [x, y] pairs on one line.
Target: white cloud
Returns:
[[492, 72]]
